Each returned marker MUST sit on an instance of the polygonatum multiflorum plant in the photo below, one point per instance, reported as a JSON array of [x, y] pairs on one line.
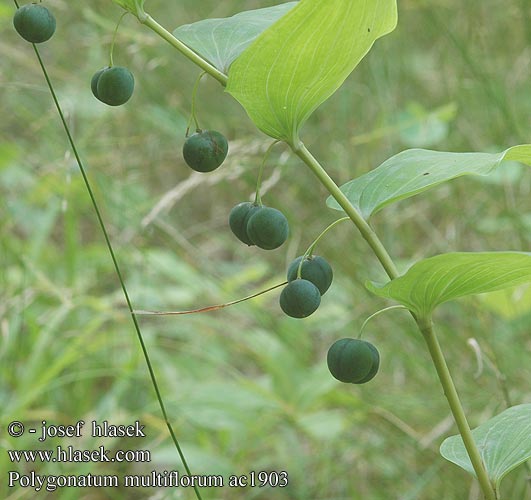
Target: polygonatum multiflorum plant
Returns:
[[281, 63]]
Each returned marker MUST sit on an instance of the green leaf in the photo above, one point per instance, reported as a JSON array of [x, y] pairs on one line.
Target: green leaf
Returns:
[[221, 41], [504, 443], [416, 170], [445, 277], [300, 61]]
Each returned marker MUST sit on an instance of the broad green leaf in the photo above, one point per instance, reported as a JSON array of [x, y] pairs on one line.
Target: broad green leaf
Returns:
[[221, 41], [416, 170], [445, 277], [504, 443], [300, 61]]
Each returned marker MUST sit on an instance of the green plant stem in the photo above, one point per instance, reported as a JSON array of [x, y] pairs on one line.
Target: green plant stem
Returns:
[[377, 313], [426, 328], [309, 252], [193, 116], [116, 267], [437, 356], [366, 231], [111, 63], [330, 226], [184, 49], [216, 307]]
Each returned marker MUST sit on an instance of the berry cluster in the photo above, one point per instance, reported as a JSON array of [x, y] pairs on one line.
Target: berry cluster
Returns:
[[309, 276]]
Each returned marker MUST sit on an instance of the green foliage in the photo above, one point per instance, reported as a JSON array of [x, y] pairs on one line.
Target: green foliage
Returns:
[[300, 298], [353, 361], [445, 277], [267, 228], [300, 61], [221, 41], [417, 170], [238, 219], [205, 150], [57, 287], [315, 269], [504, 442], [113, 85], [34, 22]]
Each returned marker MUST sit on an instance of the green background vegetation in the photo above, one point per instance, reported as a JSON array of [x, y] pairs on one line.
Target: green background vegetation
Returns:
[[247, 388]]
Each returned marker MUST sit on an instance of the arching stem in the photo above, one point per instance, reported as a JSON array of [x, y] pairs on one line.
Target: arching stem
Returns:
[[378, 249], [377, 313], [366, 231], [184, 49]]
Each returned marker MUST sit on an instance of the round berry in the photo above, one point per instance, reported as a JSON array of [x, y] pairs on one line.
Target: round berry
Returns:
[[315, 269], [34, 22], [205, 150], [94, 81], [113, 85], [300, 298], [353, 361], [376, 365], [238, 218], [267, 228]]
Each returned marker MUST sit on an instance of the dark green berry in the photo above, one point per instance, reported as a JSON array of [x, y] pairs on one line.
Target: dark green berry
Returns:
[[94, 81], [205, 150], [376, 365], [238, 218], [315, 269], [34, 22], [300, 298], [353, 361], [267, 228], [113, 85]]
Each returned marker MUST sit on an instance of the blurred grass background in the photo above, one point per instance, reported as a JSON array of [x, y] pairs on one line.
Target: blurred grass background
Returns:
[[247, 388]]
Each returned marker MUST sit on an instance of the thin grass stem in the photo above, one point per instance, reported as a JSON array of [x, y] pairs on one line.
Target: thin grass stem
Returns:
[[116, 267]]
